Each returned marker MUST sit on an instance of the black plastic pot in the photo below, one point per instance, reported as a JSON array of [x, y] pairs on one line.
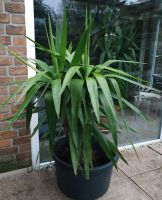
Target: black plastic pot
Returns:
[[77, 187]]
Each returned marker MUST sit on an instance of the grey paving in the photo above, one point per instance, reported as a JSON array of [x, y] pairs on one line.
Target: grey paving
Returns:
[[122, 188], [157, 147], [149, 160], [142, 181], [151, 182]]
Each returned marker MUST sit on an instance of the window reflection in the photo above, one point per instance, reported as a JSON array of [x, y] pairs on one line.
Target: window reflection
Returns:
[[123, 29]]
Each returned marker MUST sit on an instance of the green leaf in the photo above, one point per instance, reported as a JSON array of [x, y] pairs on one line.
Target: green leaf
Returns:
[[51, 115], [57, 38], [41, 64], [135, 109], [76, 89], [87, 150], [21, 59], [106, 91], [74, 150], [104, 144], [56, 88], [109, 62], [110, 118], [130, 81], [63, 41], [27, 100], [39, 125], [14, 95], [101, 67], [93, 93], [81, 47], [30, 84], [69, 74], [52, 44], [29, 112]]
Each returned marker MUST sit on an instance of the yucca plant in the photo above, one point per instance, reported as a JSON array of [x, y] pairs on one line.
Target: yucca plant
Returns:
[[77, 94]]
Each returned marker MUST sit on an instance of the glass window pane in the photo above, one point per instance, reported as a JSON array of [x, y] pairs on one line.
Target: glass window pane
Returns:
[[123, 30]]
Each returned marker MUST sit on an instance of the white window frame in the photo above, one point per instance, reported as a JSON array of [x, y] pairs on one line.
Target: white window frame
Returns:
[[30, 32]]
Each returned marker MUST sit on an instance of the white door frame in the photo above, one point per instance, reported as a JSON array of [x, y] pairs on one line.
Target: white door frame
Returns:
[[30, 32]]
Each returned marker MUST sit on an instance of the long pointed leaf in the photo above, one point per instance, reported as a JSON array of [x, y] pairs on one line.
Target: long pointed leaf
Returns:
[[93, 93], [63, 41], [76, 88], [69, 74], [56, 88], [51, 115], [52, 44]]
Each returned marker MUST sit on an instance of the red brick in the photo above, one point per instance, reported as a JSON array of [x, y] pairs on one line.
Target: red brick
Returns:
[[13, 89], [14, 108], [3, 90], [6, 80], [8, 134], [17, 71], [5, 110], [25, 147], [7, 151], [18, 19], [4, 116], [5, 40], [21, 78], [18, 62], [4, 18], [3, 52], [21, 100], [4, 126], [1, 6], [1, 29], [19, 124], [23, 156], [5, 143], [23, 132], [21, 140], [3, 71], [5, 60], [15, 30], [4, 98], [18, 50], [15, 7], [19, 40]]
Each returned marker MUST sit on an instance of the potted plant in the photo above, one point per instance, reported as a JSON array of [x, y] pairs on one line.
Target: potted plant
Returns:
[[77, 94]]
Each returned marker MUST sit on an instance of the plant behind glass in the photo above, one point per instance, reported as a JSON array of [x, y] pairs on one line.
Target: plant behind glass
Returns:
[[77, 94]]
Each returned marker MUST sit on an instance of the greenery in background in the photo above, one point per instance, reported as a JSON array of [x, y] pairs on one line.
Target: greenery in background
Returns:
[[115, 38], [77, 94]]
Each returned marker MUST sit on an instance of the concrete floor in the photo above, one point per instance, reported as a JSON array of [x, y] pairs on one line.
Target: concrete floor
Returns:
[[137, 181]]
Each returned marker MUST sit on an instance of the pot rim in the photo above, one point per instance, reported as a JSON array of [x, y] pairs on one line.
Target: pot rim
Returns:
[[98, 168]]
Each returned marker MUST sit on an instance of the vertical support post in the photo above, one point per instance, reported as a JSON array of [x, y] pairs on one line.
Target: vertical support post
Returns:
[[143, 44], [154, 49], [30, 32]]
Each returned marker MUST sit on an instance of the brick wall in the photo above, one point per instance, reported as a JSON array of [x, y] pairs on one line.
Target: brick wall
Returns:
[[14, 143]]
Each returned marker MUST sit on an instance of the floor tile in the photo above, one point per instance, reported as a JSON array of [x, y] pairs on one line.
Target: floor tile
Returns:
[[122, 188], [151, 182], [156, 147], [149, 160]]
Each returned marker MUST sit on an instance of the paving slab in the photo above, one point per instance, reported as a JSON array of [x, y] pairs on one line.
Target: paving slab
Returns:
[[151, 182], [122, 188], [149, 160], [156, 147], [42, 185]]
